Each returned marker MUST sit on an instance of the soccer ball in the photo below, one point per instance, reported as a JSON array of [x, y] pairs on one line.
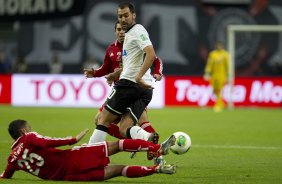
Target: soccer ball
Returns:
[[182, 143]]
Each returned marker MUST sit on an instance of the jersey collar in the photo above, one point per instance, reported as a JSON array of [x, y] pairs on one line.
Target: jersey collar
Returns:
[[130, 27], [16, 142], [117, 43]]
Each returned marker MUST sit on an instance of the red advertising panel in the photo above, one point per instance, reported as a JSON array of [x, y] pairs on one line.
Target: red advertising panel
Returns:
[[265, 92], [194, 91], [5, 89]]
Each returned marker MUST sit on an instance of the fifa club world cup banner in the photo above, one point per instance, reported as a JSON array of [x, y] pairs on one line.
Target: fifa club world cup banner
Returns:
[[30, 10], [76, 91], [194, 91]]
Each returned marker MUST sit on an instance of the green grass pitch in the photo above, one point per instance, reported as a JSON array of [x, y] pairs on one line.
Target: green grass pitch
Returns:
[[236, 146]]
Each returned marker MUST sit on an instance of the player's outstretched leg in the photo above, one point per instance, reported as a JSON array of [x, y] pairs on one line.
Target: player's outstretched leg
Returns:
[[166, 169], [138, 145], [141, 171], [130, 145], [137, 171], [167, 144], [141, 145], [154, 138], [164, 148]]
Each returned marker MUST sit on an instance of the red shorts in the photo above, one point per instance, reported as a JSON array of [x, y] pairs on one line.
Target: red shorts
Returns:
[[87, 163]]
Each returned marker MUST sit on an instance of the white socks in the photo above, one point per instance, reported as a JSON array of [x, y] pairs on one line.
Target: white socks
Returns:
[[97, 136], [137, 132]]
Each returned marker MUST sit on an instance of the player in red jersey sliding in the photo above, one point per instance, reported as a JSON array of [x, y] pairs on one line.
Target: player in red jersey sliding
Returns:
[[111, 69], [37, 155]]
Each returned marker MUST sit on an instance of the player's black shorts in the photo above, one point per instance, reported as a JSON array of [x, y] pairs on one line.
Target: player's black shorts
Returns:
[[128, 96]]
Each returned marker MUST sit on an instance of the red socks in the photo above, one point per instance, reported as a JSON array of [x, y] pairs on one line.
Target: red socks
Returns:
[[131, 145], [138, 171], [113, 130], [147, 127]]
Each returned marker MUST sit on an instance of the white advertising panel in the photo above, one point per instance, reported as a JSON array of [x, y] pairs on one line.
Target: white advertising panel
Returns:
[[67, 91]]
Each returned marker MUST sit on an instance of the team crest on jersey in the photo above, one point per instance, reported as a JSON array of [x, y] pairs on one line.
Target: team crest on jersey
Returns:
[[143, 37], [118, 56]]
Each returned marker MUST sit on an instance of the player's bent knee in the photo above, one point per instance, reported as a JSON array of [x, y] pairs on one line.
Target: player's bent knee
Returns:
[[105, 119]]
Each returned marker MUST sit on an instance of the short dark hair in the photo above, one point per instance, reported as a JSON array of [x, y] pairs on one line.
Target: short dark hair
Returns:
[[127, 5], [14, 128], [117, 22]]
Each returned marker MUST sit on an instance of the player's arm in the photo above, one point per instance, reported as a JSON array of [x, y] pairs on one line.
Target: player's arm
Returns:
[[8, 173], [44, 141], [208, 68], [158, 69], [105, 68], [111, 77], [148, 61]]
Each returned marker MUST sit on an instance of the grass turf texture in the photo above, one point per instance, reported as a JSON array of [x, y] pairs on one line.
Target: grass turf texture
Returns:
[[238, 146]]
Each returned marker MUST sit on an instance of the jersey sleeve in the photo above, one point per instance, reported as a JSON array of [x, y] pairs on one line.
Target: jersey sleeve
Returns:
[[9, 172], [105, 68], [158, 66], [143, 39], [35, 139]]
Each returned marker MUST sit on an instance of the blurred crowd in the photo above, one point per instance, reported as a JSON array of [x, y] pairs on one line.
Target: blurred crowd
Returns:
[[8, 65]]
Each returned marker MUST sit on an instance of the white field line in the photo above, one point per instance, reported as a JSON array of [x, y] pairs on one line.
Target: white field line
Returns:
[[236, 147]]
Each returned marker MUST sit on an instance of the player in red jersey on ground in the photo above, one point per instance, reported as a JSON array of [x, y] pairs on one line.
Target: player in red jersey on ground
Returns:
[[37, 155]]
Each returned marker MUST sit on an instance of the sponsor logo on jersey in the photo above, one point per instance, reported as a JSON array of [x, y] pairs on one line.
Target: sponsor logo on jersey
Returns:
[[124, 53]]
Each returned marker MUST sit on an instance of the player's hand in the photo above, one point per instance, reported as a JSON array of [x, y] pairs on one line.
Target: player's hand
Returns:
[[110, 79], [142, 83], [158, 77], [81, 134], [88, 73]]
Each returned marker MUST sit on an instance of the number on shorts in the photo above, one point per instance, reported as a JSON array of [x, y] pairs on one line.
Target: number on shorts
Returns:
[[112, 93]]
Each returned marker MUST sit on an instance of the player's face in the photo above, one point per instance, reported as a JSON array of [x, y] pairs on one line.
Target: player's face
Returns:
[[219, 46], [126, 18], [119, 33]]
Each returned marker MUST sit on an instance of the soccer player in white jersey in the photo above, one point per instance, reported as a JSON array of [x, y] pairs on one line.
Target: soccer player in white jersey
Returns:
[[133, 92]]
